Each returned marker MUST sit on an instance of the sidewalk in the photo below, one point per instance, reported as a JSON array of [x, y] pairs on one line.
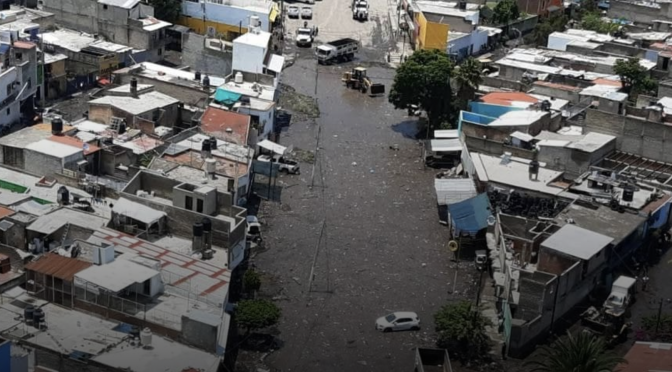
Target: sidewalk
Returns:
[[399, 43]]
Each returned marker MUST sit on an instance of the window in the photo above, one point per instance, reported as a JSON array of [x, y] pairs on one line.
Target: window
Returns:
[[18, 56], [199, 205], [188, 202], [105, 6], [9, 89], [160, 51], [8, 111]]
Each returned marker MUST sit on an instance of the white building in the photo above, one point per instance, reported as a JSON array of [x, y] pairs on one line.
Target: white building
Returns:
[[9, 104]]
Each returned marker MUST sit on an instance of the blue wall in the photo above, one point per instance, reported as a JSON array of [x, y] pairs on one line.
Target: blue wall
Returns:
[[659, 218], [494, 111], [5, 356]]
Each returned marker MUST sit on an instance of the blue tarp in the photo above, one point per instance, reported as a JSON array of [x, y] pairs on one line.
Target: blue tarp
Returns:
[[226, 97], [471, 215]]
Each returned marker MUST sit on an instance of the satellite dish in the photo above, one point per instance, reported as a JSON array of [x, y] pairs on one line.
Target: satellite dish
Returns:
[[453, 246], [491, 220]]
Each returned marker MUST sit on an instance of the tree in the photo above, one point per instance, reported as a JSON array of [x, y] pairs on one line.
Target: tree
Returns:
[[167, 10], [581, 353], [505, 11], [424, 80], [461, 330], [257, 314], [634, 77], [468, 77], [251, 281], [594, 22], [547, 27]]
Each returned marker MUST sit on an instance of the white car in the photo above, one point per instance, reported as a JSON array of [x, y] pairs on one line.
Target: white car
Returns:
[[398, 321], [306, 12], [293, 11], [304, 37], [285, 166]]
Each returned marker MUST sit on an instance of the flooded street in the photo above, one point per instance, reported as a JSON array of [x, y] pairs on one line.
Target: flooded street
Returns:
[[370, 225]]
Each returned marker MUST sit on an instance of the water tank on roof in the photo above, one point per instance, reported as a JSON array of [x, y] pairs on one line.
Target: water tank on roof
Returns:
[[134, 83], [197, 76], [28, 314], [57, 126], [198, 229], [63, 195], [207, 224], [210, 166], [628, 194], [146, 337], [238, 78], [206, 82], [38, 318], [534, 167], [205, 145]]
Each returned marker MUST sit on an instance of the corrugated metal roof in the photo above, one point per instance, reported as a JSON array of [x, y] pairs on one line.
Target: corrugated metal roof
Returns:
[[60, 267], [471, 215], [453, 190], [577, 242]]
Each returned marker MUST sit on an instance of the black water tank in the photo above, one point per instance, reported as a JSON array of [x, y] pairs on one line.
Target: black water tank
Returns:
[[206, 82], [534, 167], [198, 229], [134, 83], [57, 126], [628, 194], [207, 224], [205, 146], [197, 76], [38, 317], [28, 314], [65, 194], [122, 127]]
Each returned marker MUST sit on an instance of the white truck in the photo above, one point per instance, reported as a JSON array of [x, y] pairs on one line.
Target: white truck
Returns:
[[622, 295], [285, 166], [360, 10], [304, 37], [337, 50]]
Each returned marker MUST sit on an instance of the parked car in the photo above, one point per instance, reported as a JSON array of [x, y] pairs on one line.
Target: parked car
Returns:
[[285, 165], [398, 321], [304, 37], [306, 12], [293, 11], [253, 229], [481, 260]]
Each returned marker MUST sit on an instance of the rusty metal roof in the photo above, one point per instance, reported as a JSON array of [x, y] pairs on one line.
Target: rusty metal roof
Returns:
[[58, 266]]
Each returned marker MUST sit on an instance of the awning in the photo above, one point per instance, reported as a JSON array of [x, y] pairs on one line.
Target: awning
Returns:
[[446, 145], [454, 190], [522, 136], [446, 134], [276, 63], [272, 146], [274, 13], [137, 211], [470, 215], [226, 97]]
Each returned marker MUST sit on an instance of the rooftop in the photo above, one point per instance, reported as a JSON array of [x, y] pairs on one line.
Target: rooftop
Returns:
[[206, 280], [51, 58], [508, 98], [185, 247], [152, 24], [226, 150], [126, 4], [137, 211], [51, 222], [591, 142], [577, 242], [226, 125], [260, 39], [171, 75], [454, 190], [569, 88], [193, 159], [139, 145], [28, 135], [602, 220], [108, 275], [514, 173], [77, 41], [249, 89], [518, 118], [447, 9], [145, 102], [55, 149], [60, 267], [81, 335], [647, 356]]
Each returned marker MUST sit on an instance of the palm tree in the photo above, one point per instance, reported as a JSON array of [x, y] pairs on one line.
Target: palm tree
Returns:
[[581, 353], [468, 78]]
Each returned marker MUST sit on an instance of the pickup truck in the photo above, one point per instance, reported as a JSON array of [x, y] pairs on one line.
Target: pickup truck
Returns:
[[304, 37], [285, 165]]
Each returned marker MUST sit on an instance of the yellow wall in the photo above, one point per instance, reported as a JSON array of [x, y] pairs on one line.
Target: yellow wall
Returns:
[[436, 36], [432, 35], [201, 27]]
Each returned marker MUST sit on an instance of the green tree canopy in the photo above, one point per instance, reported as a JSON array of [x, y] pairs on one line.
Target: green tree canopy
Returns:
[[461, 330], [257, 314], [251, 281], [547, 27], [581, 353], [468, 77], [167, 10], [594, 22], [634, 77], [424, 80], [505, 11]]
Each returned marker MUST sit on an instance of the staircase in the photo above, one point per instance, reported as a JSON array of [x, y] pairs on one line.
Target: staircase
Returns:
[[65, 234]]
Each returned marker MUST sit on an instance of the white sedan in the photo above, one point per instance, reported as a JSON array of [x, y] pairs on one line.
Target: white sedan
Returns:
[[293, 11], [398, 321]]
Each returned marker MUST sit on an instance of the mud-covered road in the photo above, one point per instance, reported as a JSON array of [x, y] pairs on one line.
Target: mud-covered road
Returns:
[[370, 216]]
